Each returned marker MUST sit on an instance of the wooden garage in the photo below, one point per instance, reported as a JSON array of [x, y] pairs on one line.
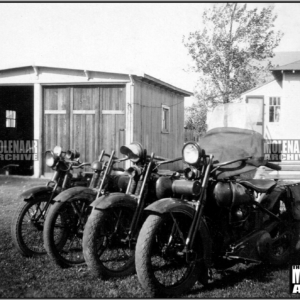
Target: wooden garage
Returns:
[[93, 110]]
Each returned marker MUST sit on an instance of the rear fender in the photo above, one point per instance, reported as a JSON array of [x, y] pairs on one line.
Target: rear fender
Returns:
[[76, 193], [168, 205], [33, 193], [113, 200]]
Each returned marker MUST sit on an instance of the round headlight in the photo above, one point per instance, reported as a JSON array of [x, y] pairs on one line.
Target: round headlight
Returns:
[[134, 151], [51, 159], [191, 153], [57, 150]]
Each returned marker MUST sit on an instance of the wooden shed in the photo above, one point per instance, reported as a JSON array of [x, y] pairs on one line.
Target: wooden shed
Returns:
[[88, 111]]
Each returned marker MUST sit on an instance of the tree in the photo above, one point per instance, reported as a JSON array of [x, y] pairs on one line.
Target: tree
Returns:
[[195, 116], [231, 53]]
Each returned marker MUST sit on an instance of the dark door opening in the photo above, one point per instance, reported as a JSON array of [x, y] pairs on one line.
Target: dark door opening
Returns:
[[16, 130]]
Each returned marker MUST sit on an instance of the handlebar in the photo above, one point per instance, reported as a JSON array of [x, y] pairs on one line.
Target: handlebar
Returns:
[[81, 165], [273, 166], [169, 161], [108, 155]]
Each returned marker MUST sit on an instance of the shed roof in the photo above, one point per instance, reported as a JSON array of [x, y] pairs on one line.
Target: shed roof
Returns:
[[139, 75]]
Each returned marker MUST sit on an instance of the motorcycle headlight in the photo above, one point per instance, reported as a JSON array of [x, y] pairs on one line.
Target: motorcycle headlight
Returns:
[[57, 150], [72, 154], [135, 152], [51, 158], [191, 153]]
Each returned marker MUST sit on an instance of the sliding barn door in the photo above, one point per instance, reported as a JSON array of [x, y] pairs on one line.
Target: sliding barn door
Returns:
[[87, 119]]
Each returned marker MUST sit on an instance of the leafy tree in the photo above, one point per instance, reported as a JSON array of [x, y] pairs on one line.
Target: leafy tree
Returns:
[[195, 116], [232, 51]]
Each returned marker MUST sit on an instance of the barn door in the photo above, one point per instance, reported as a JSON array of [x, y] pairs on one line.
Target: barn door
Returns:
[[87, 119], [84, 118], [56, 119], [112, 118]]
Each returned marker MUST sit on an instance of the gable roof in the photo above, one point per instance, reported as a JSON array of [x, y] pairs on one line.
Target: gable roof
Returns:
[[87, 72], [289, 67], [257, 87]]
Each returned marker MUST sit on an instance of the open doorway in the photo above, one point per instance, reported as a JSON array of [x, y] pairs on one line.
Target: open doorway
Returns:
[[16, 130]]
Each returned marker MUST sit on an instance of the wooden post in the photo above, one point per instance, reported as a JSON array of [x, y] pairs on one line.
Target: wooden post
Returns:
[[129, 115], [38, 128]]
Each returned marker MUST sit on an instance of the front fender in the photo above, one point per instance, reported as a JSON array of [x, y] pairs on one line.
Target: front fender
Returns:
[[34, 192], [113, 200], [75, 193], [170, 204]]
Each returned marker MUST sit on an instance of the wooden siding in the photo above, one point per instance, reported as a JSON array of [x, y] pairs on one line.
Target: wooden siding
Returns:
[[73, 119], [147, 128]]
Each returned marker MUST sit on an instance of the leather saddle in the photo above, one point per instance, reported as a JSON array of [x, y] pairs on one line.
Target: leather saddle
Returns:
[[259, 185]]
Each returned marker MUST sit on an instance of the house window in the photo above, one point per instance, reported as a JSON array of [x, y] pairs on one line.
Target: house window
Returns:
[[165, 119], [274, 109], [10, 118]]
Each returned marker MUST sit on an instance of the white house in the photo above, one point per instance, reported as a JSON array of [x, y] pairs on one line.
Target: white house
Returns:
[[280, 118]]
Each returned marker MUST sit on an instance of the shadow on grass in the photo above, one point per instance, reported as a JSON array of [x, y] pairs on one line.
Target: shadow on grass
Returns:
[[229, 278]]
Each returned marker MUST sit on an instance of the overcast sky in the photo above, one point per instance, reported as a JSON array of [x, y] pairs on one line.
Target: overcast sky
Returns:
[[134, 37]]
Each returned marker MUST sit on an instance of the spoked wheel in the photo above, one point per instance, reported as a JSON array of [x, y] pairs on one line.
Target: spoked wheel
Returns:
[[64, 230], [107, 249], [27, 226], [161, 263]]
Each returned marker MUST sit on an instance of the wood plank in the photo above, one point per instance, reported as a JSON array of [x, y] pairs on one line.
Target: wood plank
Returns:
[[84, 112], [97, 121], [113, 112], [56, 112], [71, 117]]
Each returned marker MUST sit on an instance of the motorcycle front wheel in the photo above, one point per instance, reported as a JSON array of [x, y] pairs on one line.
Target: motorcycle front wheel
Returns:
[[161, 264], [27, 226], [63, 231], [107, 249]]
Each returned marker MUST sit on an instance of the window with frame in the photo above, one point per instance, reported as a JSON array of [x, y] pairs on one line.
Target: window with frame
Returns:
[[11, 118], [165, 119], [274, 109]]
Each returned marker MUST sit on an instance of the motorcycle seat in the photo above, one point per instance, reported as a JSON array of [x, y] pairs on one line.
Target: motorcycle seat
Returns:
[[259, 185]]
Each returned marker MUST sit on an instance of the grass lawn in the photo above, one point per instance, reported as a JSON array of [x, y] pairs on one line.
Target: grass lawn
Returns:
[[39, 278]]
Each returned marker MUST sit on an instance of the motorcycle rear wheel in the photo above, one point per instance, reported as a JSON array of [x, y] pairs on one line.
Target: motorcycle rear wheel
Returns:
[[27, 226], [107, 250], [282, 242], [63, 231], [161, 263]]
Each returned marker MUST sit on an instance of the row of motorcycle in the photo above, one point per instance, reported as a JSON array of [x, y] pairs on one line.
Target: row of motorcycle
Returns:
[[171, 227]]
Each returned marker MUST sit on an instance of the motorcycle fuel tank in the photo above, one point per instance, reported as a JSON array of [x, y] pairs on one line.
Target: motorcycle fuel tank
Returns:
[[229, 194]]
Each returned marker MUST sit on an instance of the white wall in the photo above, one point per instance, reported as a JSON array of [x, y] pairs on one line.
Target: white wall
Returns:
[[272, 130]]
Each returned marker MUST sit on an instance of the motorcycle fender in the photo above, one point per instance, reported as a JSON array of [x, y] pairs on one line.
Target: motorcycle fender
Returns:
[[172, 205], [75, 193], [113, 200], [35, 192]]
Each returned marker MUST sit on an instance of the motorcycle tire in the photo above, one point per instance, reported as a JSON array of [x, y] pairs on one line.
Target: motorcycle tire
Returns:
[[63, 231], [161, 264], [282, 242], [27, 226], [106, 249]]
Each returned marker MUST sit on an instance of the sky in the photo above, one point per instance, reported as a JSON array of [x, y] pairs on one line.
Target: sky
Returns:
[[117, 37]]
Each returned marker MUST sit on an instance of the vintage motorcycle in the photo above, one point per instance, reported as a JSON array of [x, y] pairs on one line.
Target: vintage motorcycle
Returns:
[[28, 220], [66, 218], [111, 230], [217, 216]]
